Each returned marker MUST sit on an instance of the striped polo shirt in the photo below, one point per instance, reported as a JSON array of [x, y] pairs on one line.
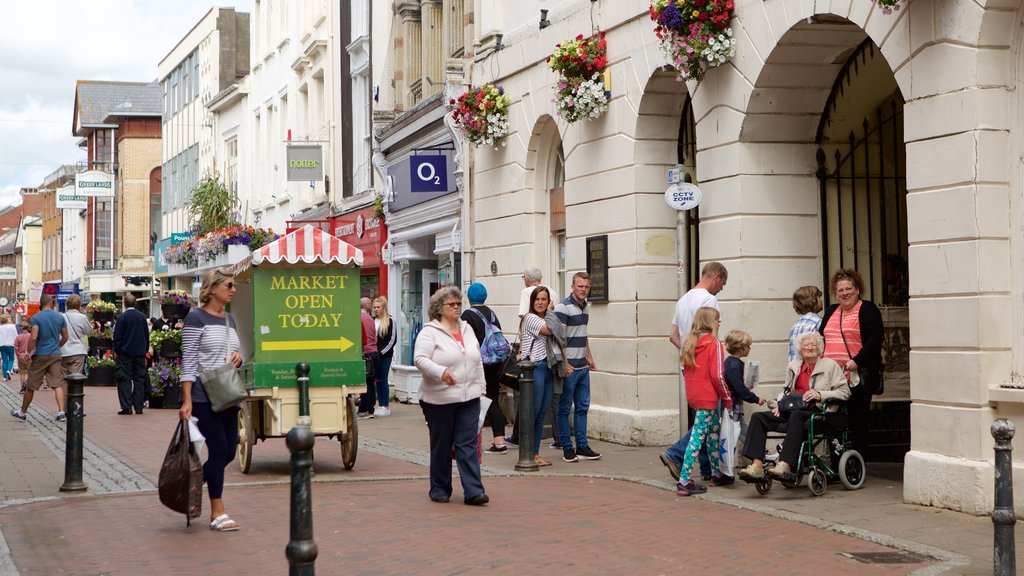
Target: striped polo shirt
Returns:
[[574, 317]]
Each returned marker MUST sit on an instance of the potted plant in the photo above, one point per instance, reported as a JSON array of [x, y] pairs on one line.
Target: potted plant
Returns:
[[165, 384], [102, 340], [166, 343], [101, 371], [580, 63], [481, 115], [101, 311], [175, 304], [694, 34]]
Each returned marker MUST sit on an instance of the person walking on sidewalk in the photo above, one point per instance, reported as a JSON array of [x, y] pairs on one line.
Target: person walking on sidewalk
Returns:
[[22, 353], [208, 331], [8, 332], [705, 294], [703, 359], [49, 333], [131, 342], [478, 316], [448, 356], [72, 353], [573, 314], [387, 337], [370, 358]]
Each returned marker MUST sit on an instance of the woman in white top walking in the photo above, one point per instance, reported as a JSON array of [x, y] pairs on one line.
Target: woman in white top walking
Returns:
[[7, 335]]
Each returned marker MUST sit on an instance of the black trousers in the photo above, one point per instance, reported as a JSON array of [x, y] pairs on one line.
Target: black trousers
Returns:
[[494, 413], [369, 398], [132, 380], [795, 424], [858, 407]]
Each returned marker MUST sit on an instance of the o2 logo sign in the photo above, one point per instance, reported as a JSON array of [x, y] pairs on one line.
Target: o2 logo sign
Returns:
[[428, 173]]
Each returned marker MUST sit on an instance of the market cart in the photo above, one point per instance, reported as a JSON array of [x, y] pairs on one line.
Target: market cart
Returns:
[[297, 300]]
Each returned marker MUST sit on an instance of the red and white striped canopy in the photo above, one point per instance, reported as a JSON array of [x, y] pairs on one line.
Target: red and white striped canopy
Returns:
[[308, 244]]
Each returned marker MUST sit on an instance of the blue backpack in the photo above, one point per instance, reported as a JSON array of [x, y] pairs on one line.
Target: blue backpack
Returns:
[[494, 349]]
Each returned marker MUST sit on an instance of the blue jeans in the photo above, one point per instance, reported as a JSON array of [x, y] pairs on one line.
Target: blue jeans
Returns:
[[453, 426], [542, 386], [7, 353], [381, 376], [575, 392]]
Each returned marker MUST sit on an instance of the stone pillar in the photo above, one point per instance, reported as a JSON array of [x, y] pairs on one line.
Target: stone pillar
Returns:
[[409, 88], [430, 50]]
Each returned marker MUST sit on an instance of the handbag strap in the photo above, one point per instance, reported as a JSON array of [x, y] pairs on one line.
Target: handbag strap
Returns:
[[843, 336], [227, 338]]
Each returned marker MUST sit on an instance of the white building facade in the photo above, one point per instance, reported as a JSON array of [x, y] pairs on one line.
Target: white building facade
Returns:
[[836, 136]]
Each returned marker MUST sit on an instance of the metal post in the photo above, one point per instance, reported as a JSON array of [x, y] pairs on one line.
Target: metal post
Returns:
[[527, 417], [73, 446], [301, 550], [302, 379], [1003, 517]]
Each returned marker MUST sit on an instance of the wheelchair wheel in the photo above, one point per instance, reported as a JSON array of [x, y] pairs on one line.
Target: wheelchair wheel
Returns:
[[851, 470], [817, 481], [764, 486]]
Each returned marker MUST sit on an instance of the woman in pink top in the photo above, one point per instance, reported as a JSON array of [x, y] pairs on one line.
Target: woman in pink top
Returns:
[[21, 351], [853, 334]]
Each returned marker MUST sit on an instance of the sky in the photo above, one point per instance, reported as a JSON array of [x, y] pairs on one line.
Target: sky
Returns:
[[45, 47]]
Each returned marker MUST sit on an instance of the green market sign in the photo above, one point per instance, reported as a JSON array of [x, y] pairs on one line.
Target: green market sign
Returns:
[[305, 162], [307, 315]]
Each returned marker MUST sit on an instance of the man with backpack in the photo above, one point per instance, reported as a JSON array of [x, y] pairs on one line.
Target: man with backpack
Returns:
[[494, 348]]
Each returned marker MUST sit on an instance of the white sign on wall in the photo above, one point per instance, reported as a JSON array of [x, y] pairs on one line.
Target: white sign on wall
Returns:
[[94, 183], [69, 199], [683, 196]]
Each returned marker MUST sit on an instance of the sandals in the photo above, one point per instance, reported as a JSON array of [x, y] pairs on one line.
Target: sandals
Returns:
[[223, 523], [540, 461]]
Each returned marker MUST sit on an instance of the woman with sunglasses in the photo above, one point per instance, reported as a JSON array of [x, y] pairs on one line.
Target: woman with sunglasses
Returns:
[[209, 329]]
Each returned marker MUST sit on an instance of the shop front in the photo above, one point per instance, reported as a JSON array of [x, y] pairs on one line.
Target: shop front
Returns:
[[423, 247], [364, 230]]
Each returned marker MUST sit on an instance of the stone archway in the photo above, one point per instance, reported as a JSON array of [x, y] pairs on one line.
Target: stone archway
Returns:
[[545, 204]]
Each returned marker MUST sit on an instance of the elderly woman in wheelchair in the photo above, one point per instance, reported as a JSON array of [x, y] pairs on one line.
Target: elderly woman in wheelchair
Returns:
[[810, 412]]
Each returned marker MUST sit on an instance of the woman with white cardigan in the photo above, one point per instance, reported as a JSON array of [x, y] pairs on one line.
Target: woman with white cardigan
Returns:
[[448, 355]]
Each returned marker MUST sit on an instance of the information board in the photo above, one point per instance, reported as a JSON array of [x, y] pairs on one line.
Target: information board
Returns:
[[597, 267]]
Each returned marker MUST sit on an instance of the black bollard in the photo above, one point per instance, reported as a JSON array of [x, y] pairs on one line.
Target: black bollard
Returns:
[[1003, 517], [301, 550], [302, 379], [73, 445], [526, 418]]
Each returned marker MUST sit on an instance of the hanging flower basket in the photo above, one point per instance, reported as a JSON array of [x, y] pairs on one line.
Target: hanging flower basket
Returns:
[[175, 304], [101, 311], [580, 64], [888, 6], [481, 115], [694, 34]]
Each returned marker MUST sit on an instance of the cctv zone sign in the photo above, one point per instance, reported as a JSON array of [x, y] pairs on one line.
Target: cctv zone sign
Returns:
[[428, 173], [94, 183], [305, 162]]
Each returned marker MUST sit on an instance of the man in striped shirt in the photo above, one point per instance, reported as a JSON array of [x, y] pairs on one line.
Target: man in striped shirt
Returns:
[[573, 314]]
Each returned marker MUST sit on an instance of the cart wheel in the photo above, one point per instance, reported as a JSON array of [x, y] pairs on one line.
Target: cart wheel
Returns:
[[246, 438], [851, 470], [350, 436], [817, 482], [763, 486]]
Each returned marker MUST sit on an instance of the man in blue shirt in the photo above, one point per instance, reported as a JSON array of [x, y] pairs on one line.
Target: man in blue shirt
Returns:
[[573, 314], [49, 333], [131, 342]]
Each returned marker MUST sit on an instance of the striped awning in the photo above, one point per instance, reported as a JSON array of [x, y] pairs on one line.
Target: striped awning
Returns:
[[307, 244]]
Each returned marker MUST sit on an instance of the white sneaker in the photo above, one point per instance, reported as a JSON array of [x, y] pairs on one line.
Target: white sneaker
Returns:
[[381, 411]]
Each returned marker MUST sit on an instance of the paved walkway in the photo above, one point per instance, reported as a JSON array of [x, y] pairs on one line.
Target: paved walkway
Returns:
[[376, 518]]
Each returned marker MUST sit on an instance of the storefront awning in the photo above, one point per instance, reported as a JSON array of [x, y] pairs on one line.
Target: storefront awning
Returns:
[[307, 244]]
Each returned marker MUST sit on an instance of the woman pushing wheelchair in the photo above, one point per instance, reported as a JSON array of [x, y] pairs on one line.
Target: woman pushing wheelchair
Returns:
[[816, 380]]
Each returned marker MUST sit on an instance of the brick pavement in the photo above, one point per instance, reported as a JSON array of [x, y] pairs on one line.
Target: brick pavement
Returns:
[[394, 448], [390, 527]]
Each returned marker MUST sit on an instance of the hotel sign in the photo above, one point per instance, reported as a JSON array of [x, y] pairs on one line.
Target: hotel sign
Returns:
[[94, 183]]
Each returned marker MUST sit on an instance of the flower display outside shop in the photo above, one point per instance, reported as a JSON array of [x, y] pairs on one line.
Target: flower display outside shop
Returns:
[[157, 337], [694, 34], [207, 247], [481, 115], [580, 64], [176, 297], [97, 361], [164, 375], [100, 306]]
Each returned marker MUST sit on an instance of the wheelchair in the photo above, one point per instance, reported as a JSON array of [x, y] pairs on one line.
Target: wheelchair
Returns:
[[815, 460]]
